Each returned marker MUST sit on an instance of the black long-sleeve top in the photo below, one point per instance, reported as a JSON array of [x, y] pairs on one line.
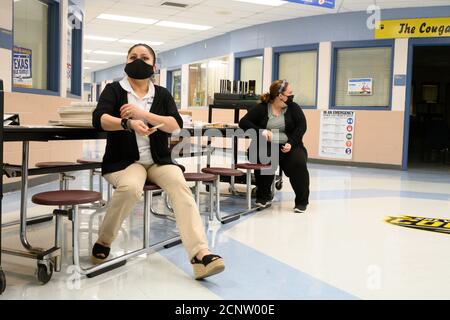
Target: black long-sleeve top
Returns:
[[121, 146], [294, 117]]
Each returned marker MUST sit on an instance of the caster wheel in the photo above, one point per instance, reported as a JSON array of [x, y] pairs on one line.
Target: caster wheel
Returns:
[[279, 185], [43, 274], [2, 282]]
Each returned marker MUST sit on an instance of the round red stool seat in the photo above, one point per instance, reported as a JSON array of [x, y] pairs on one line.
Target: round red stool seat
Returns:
[[228, 172], [66, 197], [252, 166], [151, 187], [203, 177]]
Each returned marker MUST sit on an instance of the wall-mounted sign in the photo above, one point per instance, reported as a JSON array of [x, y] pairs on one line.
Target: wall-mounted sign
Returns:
[[360, 87], [337, 131], [22, 67], [400, 80], [413, 28], [318, 3], [427, 224]]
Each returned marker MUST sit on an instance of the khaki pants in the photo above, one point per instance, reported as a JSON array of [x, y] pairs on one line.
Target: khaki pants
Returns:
[[129, 184]]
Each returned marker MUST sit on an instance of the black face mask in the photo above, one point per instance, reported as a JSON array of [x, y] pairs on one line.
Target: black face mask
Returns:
[[139, 69], [290, 99]]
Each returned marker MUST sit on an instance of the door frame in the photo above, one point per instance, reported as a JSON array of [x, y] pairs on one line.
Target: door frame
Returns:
[[412, 43]]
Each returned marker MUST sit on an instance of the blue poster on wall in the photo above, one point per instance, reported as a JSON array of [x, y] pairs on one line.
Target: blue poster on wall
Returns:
[[318, 3]]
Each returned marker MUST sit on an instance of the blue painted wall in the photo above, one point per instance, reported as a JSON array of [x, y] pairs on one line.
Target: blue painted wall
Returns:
[[108, 74], [6, 39], [331, 27]]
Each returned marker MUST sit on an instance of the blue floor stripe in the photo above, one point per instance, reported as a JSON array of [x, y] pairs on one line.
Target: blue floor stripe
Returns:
[[251, 274]]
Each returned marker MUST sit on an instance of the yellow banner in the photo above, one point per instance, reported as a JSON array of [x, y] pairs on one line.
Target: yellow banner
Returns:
[[413, 28]]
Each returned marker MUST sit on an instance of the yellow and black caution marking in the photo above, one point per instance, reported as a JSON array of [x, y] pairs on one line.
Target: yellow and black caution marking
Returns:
[[427, 224]]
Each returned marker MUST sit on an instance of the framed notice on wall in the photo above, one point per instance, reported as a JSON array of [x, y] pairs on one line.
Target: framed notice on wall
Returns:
[[360, 87], [22, 67], [337, 131]]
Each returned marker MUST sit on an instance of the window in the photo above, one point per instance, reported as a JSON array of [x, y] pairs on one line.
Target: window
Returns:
[[175, 88], [204, 80], [251, 68], [36, 52], [300, 70], [363, 77], [197, 84]]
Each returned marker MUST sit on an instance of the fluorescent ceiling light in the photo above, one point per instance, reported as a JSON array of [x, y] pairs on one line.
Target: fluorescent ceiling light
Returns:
[[111, 53], [150, 43], [114, 17], [273, 3], [89, 37], [179, 25], [95, 61], [87, 68], [87, 51]]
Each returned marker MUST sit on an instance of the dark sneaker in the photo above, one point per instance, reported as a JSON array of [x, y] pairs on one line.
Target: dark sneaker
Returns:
[[300, 209], [263, 203]]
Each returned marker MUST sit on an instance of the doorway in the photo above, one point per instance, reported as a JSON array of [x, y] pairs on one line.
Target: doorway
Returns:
[[429, 117]]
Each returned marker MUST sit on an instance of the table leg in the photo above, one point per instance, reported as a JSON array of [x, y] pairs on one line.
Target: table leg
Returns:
[[199, 147], [24, 196]]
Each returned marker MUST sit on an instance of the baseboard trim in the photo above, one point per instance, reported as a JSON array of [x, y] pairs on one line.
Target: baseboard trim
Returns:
[[356, 164]]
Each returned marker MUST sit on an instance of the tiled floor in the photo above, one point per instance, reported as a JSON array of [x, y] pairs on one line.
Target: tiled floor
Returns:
[[340, 249]]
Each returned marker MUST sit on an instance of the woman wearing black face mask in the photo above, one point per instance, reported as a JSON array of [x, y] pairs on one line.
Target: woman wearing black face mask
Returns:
[[136, 152], [281, 121]]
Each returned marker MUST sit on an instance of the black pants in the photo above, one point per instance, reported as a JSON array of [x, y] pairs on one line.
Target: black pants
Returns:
[[294, 166]]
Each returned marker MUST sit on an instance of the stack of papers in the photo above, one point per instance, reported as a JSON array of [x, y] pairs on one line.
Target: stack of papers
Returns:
[[76, 115]]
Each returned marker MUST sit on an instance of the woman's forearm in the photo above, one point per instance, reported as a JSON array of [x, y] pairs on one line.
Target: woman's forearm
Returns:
[[170, 124], [110, 123]]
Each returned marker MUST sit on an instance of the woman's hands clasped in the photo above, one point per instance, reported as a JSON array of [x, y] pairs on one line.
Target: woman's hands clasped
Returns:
[[136, 116], [130, 111]]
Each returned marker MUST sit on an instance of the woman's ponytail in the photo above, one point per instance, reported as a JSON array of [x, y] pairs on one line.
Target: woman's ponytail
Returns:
[[265, 98], [277, 87]]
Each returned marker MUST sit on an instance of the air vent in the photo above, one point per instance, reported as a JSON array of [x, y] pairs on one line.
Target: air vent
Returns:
[[174, 4]]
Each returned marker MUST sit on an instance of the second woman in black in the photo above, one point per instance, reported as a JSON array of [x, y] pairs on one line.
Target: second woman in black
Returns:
[[281, 121]]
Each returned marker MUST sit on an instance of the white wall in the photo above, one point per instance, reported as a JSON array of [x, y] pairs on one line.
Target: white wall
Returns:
[[6, 18], [184, 86], [231, 63], [5, 69], [324, 76], [163, 78], [400, 67], [267, 69]]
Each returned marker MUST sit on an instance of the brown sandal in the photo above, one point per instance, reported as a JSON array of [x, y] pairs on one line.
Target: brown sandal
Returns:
[[211, 264]]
